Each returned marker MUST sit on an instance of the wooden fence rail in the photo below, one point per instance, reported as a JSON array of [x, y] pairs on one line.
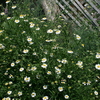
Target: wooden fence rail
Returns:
[[89, 12]]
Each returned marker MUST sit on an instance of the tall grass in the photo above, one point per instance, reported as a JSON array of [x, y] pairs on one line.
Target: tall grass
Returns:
[[43, 60]]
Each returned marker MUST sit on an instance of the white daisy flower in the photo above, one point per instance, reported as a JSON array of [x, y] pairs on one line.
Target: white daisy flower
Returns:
[[44, 60], [44, 18], [60, 89], [13, 7], [7, 1], [50, 31], [2, 13], [64, 61], [10, 82], [33, 68], [37, 28], [45, 86], [96, 92], [30, 85], [70, 51], [45, 98], [25, 51], [49, 72], [78, 37], [51, 54], [7, 98], [2, 46], [12, 64], [84, 83], [21, 69], [17, 61], [23, 32], [31, 42], [11, 76], [98, 55], [22, 16], [34, 53], [79, 63], [9, 92], [29, 39], [44, 65], [59, 26], [80, 66], [25, 20], [88, 82], [58, 71], [66, 96], [58, 32], [32, 25], [48, 40], [33, 94], [63, 81], [27, 79], [19, 93], [17, 21], [69, 76], [1, 31], [8, 18], [97, 66]]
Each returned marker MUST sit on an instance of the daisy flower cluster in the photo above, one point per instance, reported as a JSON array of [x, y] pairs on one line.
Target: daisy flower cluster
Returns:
[[41, 60]]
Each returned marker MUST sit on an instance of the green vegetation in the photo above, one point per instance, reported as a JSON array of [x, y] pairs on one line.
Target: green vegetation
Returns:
[[43, 60]]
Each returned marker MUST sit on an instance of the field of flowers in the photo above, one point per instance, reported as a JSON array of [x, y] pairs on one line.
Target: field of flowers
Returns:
[[43, 60]]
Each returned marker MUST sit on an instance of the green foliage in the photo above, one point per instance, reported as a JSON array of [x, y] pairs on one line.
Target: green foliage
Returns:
[[41, 58]]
